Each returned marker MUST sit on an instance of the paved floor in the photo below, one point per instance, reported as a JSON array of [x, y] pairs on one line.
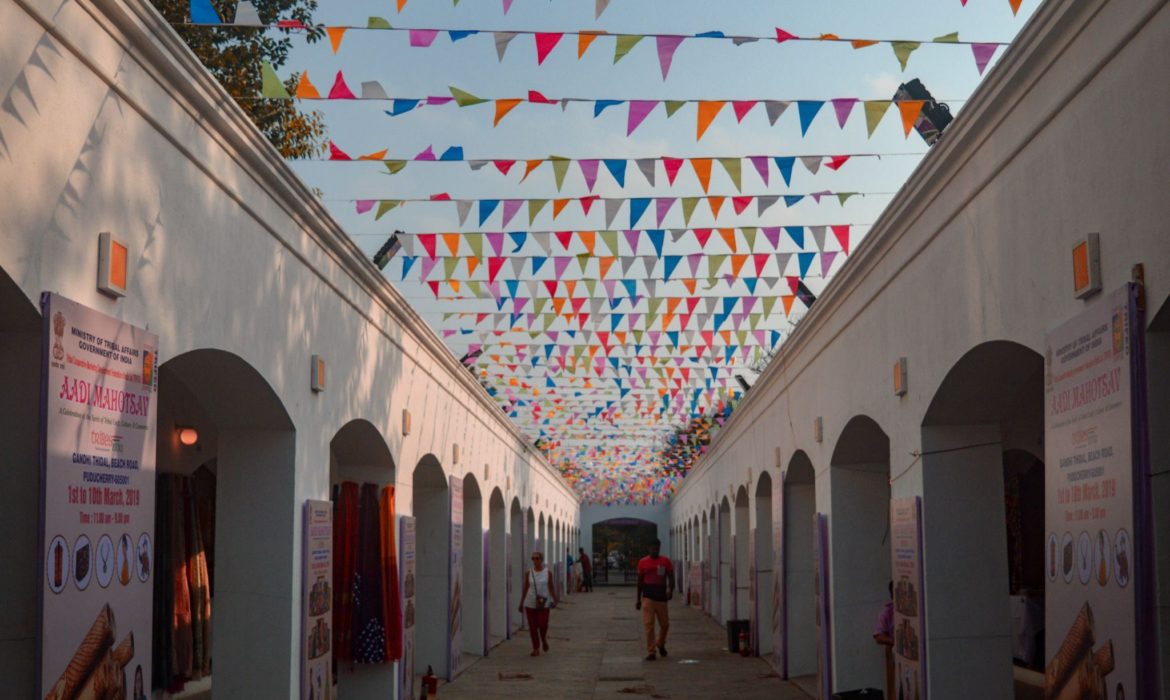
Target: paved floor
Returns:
[[597, 652]]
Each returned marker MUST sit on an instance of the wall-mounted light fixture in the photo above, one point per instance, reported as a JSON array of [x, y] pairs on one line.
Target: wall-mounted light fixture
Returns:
[[819, 429], [317, 374], [405, 422], [901, 380], [455, 454], [113, 265], [1086, 258], [188, 436]]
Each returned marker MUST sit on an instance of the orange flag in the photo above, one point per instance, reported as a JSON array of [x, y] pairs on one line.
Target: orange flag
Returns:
[[588, 239], [910, 110], [690, 285], [604, 264], [305, 89], [702, 168], [1015, 5], [787, 300], [559, 206], [707, 111], [335, 34], [472, 263], [401, 4], [584, 39], [729, 236], [862, 43], [503, 107], [737, 262], [529, 166], [716, 204], [452, 241], [376, 155]]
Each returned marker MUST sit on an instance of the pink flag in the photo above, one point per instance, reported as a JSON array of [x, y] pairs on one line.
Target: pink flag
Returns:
[[340, 91], [507, 6], [589, 171], [545, 41], [666, 48], [663, 205], [741, 203], [423, 37], [983, 54], [842, 234], [783, 36], [511, 206], [835, 162], [427, 154], [364, 205], [671, 165], [336, 153], [742, 107], [844, 106], [536, 98], [559, 264], [496, 241], [494, 265], [638, 111], [827, 262], [761, 165]]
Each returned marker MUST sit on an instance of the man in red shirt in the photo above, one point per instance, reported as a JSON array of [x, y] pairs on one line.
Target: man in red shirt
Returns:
[[655, 587]]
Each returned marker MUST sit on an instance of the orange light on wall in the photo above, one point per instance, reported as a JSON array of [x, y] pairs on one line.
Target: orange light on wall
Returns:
[[113, 258], [187, 436], [1086, 259]]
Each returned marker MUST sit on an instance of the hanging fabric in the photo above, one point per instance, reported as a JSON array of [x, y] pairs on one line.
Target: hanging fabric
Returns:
[[390, 600], [369, 629], [345, 528]]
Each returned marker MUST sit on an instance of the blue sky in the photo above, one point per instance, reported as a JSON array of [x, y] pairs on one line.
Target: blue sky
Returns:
[[702, 69]]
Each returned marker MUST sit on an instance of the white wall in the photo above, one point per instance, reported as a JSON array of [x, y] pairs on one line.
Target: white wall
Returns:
[[975, 248]]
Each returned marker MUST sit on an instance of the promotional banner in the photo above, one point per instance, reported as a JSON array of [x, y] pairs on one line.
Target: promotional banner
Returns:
[[696, 584], [779, 618], [317, 601], [1092, 566], [455, 579], [406, 572], [821, 585], [97, 527], [909, 599]]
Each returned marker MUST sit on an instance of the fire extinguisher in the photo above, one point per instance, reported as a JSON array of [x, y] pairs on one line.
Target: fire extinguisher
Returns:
[[430, 684], [744, 644]]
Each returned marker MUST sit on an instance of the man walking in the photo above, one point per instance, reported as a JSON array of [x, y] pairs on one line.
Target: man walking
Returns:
[[655, 587]]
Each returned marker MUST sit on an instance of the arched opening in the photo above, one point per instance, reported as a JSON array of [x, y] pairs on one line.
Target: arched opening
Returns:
[[799, 618], [530, 536], [517, 556], [726, 560], [20, 372], [471, 587], [711, 557], [767, 597], [360, 468], [542, 540], [225, 514], [860, 494], [989, 406], [431, 505], [741, 568], [497, 569], [1157, 379], [618, 544]]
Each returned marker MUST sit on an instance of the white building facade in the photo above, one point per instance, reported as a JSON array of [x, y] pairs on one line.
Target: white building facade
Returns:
[[111, 125], [961, 278]]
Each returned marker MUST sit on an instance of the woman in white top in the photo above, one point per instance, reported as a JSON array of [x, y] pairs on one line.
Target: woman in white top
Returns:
[[540, 594]]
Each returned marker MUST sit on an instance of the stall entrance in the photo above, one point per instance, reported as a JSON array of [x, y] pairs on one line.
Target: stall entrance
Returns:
[[225, 526], [618, 544], [799, 619], [983, 508], [472, 584], [497, 569], [766, 600], [432, 511], [517, 558], [860, 473], [20, 372]]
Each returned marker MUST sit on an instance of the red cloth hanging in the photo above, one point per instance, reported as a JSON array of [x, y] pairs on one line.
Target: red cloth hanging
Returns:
[[345, 531], [391, 604]]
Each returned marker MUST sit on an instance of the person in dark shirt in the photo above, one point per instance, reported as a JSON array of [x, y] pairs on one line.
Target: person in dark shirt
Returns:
[[586, 569], [655, 588]]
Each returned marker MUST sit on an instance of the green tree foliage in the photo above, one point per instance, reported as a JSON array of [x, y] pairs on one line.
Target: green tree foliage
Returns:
[[234, 56]]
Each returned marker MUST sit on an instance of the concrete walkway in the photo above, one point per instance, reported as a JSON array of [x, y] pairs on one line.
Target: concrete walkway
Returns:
[[597, 652]]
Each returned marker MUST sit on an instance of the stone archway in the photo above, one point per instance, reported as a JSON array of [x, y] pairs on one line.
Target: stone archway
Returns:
[[799, 619], [431, 507]]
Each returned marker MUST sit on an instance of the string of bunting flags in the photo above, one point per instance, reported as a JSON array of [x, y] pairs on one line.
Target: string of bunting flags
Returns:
[[272, 87], [666, 45]]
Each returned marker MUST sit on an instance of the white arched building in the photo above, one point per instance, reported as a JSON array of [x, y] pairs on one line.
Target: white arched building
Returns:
[[960, 280], [111, 125]]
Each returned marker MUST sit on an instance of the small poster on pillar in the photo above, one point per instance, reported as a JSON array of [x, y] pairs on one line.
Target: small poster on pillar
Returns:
[[407, 564], [1094, 535], [909, 601], [317, 601], [97, 528], [696, 585], [455, 579]]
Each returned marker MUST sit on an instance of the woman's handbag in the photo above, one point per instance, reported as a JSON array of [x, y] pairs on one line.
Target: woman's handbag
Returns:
[[541, 601]]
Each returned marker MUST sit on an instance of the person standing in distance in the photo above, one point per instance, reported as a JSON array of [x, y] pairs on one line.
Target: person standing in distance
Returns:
[[655, 588]]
